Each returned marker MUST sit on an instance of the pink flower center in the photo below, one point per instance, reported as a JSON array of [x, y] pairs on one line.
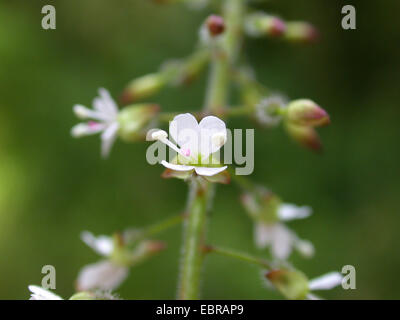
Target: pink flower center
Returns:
[[93, 125]]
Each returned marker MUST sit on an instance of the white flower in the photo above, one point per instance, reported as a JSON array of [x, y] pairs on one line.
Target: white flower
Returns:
[[280, 238], [103, 245], [104, 114], [102, 275], [197, 143], [39, 293], [266, 110], [325, 282]]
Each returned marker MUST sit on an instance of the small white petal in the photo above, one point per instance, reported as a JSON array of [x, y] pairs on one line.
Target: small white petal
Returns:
[[39, 293], [262, 235], [84, 113], [282, 242], [184, 129], [84, 129], [108, 138], [311, 296], [211, 128], [326, 282], [305, 248], [176, 167], [288, 211], [208, 171], [103, 275], [108, 104], [101, 244]]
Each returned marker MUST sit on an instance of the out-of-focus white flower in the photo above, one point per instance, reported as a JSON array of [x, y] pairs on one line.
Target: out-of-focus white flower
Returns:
[[105, 274], [109, 273], [197, 142], [269, 214], [102, 275], [39, 293], [104, 119], [281, 240]]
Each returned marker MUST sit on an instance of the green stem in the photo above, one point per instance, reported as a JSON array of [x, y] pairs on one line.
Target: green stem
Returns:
[[162, 226], [225, 57], [193, 241], [239, 255]]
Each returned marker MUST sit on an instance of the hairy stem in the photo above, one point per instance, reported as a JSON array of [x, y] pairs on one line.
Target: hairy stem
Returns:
[[216, 103], [191, 264]]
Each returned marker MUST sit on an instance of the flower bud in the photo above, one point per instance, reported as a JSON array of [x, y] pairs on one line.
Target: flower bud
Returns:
[[261, 24], [135, 119], [306, 136], [291, 284], [84, 295], [262, 205], [307, 113], [301, 32], [143, 87], [215, 25]]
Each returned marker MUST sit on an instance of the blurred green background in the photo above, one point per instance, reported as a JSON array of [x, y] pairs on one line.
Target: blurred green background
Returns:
[[52, 187]]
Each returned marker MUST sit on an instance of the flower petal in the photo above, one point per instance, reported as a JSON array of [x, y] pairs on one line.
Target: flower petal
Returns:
[[263, 235], [86, 129], [212, 135], [176, 167], [326, 282], [288, 212], [282, 242], [101, 244], [184, 129], [209, 171], [39, 293], [107, 104], [103, 275], [108, 138]]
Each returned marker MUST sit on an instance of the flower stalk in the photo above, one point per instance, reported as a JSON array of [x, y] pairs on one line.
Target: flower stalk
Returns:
[[191, 264]]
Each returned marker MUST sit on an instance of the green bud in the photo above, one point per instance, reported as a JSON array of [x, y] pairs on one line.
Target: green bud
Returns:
[[134, 121], [143, 87], [306, 113], [84, 295], [291, 284], [301, 32], [305, 136]]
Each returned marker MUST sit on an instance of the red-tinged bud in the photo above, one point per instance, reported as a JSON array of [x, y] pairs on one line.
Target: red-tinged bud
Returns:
[[306, 113], [306, 136], [291, 284], [215, 25], [153, 247], [261, 24], [276, 27], [301, 32]]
